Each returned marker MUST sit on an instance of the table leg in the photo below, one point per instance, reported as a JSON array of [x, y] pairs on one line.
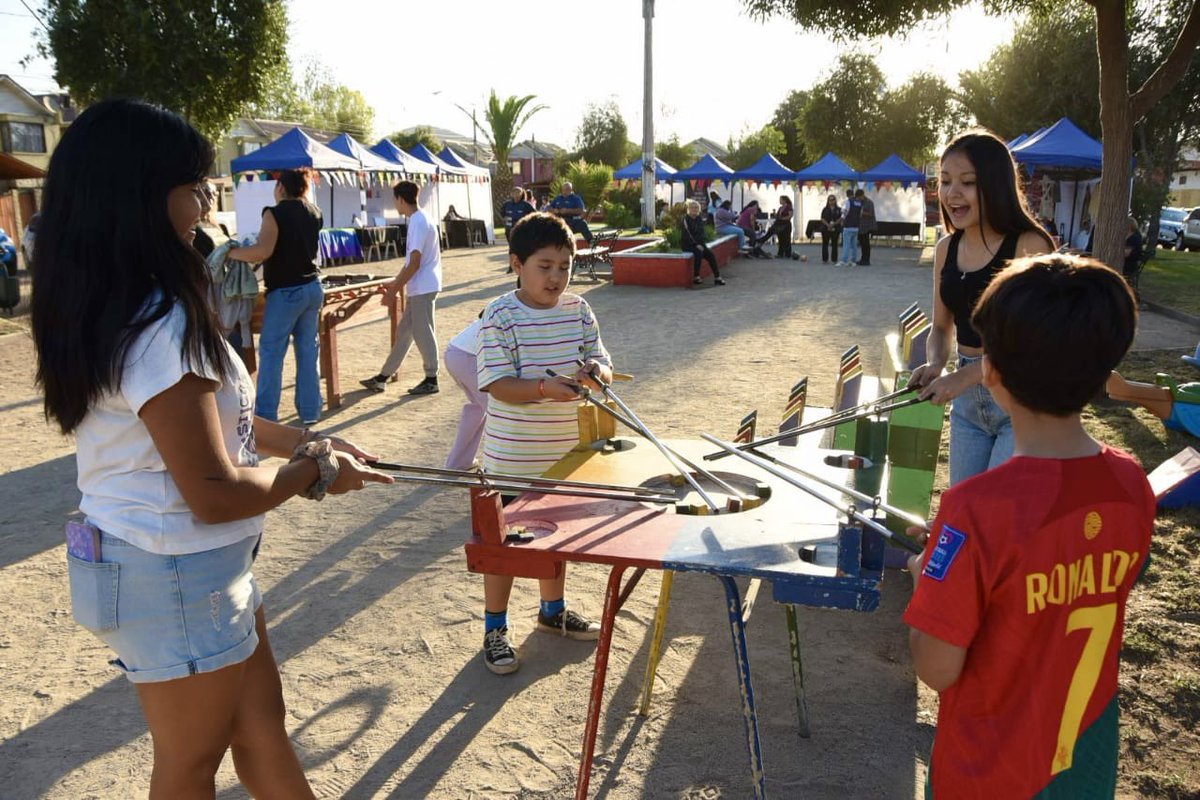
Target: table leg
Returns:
[[797, 670], [737, 630], [329, 366], [612, 604], [660, 624]]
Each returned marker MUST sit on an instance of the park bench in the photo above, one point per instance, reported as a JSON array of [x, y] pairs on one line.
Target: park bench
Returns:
[[599, 252]]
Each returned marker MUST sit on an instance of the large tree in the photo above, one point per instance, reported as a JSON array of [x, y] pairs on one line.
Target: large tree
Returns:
[[204, 60], [674, 152], [603, 136], [407, 140], [753, 146], [505, 119], [316, 100], [789, 120], [1120, 107]]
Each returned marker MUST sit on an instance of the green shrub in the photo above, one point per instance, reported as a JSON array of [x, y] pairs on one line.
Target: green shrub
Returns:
[[672, 218], [590, 181], [617, 215]]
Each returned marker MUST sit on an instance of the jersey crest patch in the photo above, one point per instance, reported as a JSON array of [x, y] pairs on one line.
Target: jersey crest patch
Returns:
[[949, 543]]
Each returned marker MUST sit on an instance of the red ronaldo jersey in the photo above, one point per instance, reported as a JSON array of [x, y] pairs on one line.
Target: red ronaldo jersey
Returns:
[[1028, 567]]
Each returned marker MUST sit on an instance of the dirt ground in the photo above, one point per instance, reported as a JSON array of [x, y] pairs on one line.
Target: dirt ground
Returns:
[[376, 623]]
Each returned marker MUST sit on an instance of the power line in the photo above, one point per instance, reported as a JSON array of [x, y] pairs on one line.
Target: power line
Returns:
[[34, 14]]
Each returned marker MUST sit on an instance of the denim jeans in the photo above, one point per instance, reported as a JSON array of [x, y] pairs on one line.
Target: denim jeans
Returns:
[[733, 230], [291, 312], [850, 245], [981, 434]]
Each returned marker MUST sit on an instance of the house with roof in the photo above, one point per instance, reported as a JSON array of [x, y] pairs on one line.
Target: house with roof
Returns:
[[475, 150], [532, 163], [247, 135], [707, 147], [1185, 180], [30, 128]]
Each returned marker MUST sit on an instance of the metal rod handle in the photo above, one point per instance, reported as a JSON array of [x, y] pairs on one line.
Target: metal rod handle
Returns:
[[766, 466]]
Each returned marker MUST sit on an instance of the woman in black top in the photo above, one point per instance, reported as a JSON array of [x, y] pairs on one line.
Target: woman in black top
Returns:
[[287, 246], [831, 225], [692, 241], [988, 224], [1133, 251]]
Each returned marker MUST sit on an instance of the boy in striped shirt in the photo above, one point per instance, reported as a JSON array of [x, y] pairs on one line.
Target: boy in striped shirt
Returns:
[[531, 421]]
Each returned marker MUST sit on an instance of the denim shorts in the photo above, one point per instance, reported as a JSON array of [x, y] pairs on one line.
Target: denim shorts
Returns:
[[980, 431], [168, 617]]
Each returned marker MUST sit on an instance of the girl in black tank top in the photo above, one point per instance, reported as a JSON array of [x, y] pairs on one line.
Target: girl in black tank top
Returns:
[[984, 212], [960, 290]]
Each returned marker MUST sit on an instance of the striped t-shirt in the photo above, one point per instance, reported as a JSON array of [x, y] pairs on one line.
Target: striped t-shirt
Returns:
[[517, 341]]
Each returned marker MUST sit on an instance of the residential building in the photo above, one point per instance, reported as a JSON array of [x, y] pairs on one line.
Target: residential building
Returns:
[[532, 163], [702, 147], [247, 135], [30, 128], [472, 147], [1185, 181]]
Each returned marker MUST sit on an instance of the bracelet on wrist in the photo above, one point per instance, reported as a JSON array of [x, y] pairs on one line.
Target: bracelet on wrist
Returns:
[[321, 451]]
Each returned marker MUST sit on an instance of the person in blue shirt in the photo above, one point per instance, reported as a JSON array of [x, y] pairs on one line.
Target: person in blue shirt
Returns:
[[513, 210], [569, 206]]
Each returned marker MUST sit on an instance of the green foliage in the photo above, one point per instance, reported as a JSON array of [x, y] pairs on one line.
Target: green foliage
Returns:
[[789, 120], [422, 135], [203, 60], [629, 195], [590, 181], [844, 22], [316, 100], [1049, 69], [672, 217], [753, 146], [505, 118], [603, 136], [618, 215], [673, 152]]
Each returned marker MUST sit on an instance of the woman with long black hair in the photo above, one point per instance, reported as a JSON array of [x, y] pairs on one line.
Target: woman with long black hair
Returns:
[[132, 363], [988, 224]]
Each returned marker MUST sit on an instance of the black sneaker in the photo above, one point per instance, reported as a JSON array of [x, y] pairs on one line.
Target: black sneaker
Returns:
[[500, 656], [426, 386], [570, 624], [719, 281], [375, 384]]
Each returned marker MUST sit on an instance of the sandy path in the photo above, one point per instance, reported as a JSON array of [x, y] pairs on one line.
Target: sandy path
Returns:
[[376, 623]]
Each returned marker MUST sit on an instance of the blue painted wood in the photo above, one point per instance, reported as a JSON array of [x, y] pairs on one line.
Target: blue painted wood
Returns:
[[737, 631]]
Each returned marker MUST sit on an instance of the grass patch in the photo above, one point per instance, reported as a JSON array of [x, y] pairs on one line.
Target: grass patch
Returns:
[[1173, 279], [1160, 685]]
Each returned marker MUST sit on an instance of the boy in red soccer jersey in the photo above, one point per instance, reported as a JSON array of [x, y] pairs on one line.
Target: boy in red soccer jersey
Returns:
[[1019, 599]]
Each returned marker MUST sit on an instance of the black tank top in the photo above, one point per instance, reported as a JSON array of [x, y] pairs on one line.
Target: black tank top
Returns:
[[960, 291], [294, 261]]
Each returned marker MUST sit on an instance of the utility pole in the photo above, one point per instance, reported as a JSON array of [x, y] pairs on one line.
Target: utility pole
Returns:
[[648, 121]]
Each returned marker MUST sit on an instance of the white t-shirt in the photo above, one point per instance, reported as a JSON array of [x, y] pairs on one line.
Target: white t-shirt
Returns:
[[423, 237], [467, 339], [127, 491]]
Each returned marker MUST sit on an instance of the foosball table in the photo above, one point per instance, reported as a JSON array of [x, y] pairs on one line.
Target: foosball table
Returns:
[[347, 297]]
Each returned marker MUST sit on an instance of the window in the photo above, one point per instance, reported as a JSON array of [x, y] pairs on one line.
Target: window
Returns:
[[22, 137], [514, 167], [1182, 180]]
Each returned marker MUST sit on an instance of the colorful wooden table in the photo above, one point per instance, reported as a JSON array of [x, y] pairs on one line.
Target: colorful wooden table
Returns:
[[765, 542]]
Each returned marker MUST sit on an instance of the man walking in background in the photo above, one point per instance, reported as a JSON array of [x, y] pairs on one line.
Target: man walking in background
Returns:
[[866, 226]]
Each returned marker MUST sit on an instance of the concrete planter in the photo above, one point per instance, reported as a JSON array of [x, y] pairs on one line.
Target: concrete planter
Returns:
[[633, 266]]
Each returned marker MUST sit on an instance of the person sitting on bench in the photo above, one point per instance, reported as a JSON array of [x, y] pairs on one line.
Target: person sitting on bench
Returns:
[[569, 206]]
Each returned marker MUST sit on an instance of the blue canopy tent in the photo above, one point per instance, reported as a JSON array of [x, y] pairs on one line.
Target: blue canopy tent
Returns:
[[894, 169], [368, 161], [455, 160], [663, 173], [294, 150], [1020, 138], [708, 169], [826, 169], [410, 165], [479, 181], [767, 170], [1066, 151]]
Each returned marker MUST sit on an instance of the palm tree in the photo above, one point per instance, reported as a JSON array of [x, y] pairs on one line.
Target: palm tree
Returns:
[[504, 122]]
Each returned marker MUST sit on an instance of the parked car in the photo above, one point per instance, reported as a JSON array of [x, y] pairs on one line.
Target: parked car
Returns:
[[1170, 225], [1189, 235], [8, 253]]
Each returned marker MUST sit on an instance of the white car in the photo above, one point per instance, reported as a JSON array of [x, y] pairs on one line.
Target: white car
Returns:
[[1170, 226]]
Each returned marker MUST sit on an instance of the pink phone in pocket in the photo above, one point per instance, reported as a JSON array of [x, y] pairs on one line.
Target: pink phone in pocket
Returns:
[[83, 541]]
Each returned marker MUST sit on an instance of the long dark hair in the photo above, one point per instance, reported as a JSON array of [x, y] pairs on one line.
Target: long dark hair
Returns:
[[1001, 202], [109, 261]]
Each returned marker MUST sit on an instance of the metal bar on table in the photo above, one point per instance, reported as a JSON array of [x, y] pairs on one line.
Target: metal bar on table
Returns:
[[875, 502], [662, 448], [737, 631], [797, 670], [851, 512], [518, 487], [819, 425], [471, 473]]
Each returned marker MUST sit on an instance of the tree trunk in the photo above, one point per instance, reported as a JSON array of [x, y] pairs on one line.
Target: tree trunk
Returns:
[[1116, 126], [502, 184]]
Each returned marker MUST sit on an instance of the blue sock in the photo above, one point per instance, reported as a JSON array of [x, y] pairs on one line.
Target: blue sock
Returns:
[[552, 608], [494, 619]]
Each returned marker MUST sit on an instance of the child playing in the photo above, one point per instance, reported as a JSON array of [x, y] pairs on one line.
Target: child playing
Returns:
[[532, 421], [1019, 601]]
